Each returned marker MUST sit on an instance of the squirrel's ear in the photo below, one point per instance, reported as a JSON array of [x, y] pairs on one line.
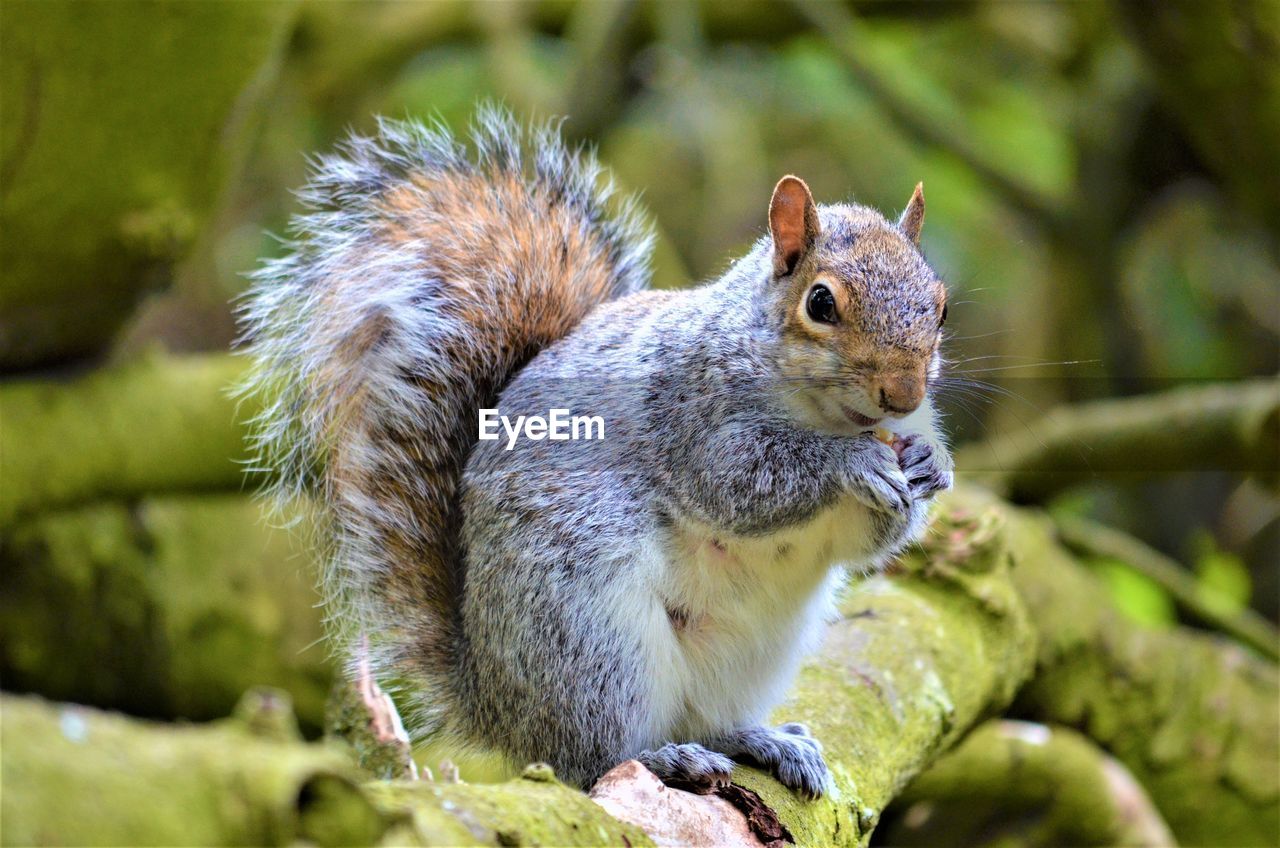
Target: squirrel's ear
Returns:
[[793, 223], [912, 220]]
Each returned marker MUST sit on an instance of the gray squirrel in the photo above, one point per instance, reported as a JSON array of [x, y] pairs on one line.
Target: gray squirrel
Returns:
[[647, 595]]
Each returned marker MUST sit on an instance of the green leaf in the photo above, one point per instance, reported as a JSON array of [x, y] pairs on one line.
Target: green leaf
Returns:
[[1222, 579], [1137, 596]]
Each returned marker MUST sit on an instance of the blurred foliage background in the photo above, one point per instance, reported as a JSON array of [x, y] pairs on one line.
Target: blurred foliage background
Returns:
[[1103, 184]]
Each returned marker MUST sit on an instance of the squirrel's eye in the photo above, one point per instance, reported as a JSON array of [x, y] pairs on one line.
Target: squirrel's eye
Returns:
[[943, 319], [822, 305]]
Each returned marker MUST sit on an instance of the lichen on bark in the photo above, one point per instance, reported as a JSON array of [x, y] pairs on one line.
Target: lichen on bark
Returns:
[[77, 776], [918, 656]]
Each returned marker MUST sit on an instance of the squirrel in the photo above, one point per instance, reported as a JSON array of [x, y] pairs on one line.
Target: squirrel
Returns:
[[647, 595]]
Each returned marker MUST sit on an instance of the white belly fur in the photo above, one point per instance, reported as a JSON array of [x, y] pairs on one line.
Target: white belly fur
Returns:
[[752, 609]]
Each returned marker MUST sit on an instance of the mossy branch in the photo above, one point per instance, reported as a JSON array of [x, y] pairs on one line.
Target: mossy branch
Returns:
[[1014, 782], [1244, 625], [918, 658], [76, 776], [95, 213], [1194, 716], [162, 424], [178, 603], [921, 654]]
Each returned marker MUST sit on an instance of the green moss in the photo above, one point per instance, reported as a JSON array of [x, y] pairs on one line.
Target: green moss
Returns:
[[178, 604], [1013, 783], [1135, 595], [919, 656], [160, 424], [122, 123], [1195, 717], [75, 776], [524, 811]]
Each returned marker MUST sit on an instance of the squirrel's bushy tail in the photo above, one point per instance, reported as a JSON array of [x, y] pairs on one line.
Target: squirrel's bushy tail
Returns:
[[422, 276]]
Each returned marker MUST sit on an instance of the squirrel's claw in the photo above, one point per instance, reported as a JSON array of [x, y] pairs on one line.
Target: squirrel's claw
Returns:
[[927, 467]]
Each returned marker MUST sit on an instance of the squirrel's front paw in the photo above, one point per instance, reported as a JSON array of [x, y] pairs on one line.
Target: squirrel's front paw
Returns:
[[877, 480], [927, 466]]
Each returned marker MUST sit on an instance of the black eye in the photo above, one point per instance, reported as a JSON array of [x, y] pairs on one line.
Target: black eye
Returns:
[[822, 305], [943, 319]]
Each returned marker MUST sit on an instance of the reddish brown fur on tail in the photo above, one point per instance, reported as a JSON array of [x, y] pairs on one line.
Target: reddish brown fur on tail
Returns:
[[425, 277]]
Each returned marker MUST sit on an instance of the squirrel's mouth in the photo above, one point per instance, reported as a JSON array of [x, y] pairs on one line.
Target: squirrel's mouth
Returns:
[[858, 418]]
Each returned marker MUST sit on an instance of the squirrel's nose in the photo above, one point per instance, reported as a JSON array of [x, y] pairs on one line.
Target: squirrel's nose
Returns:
[[901, 395]]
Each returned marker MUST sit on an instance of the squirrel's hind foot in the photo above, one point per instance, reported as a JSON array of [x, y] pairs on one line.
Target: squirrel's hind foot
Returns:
[[788, 752], [688, 765]]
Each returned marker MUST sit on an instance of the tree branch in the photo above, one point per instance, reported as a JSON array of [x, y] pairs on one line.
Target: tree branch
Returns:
[[77, 776], [1219, 427], [163, 424], [1014, 782], [918, 658], [1193, 716], [920, 655], [178, 603], [1245, 626]]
